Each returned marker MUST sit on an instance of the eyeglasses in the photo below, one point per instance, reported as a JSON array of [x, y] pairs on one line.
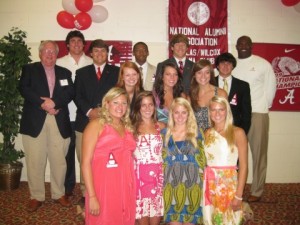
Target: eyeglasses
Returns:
[[49, 52]]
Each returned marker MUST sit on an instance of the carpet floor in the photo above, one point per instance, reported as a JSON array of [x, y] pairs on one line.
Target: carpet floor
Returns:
[[280, 205]]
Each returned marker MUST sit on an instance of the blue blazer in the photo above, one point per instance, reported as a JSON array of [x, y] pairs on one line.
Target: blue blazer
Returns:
[[34, 85]]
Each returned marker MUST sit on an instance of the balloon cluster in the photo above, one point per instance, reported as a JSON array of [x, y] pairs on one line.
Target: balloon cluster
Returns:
[[80, 14], [290, 2]]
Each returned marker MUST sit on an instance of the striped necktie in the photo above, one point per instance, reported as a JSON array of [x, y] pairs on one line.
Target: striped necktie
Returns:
[[225, 87], [181, 67]]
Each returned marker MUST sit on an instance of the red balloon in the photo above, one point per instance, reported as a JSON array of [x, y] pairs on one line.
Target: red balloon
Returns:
[[84, 5], [65, 19], [290, 2], [82, 21]]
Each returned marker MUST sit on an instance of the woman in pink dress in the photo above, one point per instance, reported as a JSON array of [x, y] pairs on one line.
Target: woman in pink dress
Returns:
[[148, 160], [107, 163]]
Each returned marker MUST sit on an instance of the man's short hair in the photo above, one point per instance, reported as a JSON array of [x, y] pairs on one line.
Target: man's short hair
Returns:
[[179, 38], [98, 43], [225, 57], [140, 43], [75, 33]]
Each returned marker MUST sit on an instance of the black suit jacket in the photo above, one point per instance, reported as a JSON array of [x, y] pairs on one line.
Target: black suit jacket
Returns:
[[187, 72], [89, 91], [34, 85], [240, 103]]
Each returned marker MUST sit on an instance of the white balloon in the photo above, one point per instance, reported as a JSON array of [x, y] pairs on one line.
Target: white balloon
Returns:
[[297, 7], [98, 13], [98, 0], [69, 6]]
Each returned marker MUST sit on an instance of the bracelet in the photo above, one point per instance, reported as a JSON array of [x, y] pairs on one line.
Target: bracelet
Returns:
[[238, 198]]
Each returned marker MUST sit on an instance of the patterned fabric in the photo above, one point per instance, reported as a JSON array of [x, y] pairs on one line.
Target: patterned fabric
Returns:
[[201, 114], [113, 178], [183, 181], [149, 177], [162, 115], [220, 182]]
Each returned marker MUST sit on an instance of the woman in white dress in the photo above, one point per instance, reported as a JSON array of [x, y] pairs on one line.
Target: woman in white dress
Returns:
[[223, 185]]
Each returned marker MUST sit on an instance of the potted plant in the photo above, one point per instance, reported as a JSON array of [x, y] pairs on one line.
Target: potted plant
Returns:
[[14, 53]]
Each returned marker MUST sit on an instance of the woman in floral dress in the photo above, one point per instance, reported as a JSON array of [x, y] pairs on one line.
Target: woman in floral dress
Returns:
[[148, 160], [223, 185]]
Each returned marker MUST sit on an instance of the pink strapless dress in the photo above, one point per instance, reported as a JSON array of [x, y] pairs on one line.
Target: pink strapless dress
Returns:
[[114, 179]]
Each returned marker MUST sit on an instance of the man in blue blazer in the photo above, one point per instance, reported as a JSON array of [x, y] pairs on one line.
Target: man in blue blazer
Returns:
[[179, 45], [45, 124], [238, 91], [92, 82]]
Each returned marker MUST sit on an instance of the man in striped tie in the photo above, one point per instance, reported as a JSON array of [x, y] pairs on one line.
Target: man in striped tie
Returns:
[[179, 45]]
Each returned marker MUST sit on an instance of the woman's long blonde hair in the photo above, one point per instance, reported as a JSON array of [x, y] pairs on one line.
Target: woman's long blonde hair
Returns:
[[191, 124], [105, 117], [228, 127]]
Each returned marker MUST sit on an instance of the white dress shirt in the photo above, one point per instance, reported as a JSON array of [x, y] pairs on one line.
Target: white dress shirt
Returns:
[[69, 62]]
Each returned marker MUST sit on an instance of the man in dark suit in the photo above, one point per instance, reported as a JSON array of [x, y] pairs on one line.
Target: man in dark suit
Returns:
[[92, 82], [238, 91], [45, 125], [179, 45]]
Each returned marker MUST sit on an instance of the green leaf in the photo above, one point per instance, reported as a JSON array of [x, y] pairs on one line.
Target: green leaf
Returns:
[[14, 54]]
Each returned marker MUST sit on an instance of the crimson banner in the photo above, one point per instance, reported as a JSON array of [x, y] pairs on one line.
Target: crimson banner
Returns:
[[204, 23], [119, 51], [285, 60]]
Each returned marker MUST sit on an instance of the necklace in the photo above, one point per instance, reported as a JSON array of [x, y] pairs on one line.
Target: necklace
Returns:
[[117, 126], [219, 131]]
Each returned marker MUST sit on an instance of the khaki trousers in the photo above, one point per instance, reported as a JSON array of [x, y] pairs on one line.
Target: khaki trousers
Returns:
[[79, 155], [48, 145], [258, 137]]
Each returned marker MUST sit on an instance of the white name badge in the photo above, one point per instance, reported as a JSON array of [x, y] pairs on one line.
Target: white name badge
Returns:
[[64, 82], [111, 162]]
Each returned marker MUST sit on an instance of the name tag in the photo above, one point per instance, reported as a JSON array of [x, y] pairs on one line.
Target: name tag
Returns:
[[64, 82], [234, 100], [111, 162]]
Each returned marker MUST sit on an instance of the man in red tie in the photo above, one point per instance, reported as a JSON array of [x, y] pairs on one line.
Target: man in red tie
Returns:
[[92, 82], [179, 45]]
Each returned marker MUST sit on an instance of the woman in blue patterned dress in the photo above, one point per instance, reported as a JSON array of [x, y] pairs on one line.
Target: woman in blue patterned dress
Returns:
[[203, 88], [184, 162], [167, 86]]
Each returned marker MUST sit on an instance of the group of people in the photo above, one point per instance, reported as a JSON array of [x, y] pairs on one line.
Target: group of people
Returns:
[[152, 142]]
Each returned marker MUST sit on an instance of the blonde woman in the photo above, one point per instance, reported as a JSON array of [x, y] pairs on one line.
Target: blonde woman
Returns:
[[184, 162], [223, 186], [107, 163]]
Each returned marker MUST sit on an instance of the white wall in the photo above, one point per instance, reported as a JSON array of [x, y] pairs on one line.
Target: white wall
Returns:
[[142, 20]]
